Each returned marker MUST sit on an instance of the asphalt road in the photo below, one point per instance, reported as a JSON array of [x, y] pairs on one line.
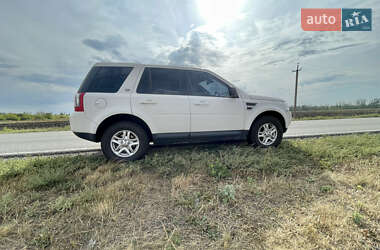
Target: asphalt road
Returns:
[[66, 141]]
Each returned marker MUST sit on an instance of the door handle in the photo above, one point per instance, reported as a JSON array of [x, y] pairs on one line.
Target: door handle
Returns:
[[148, 101], [201, 103]]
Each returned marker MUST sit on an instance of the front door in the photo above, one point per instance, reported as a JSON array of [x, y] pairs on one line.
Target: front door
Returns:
[[213, 111]]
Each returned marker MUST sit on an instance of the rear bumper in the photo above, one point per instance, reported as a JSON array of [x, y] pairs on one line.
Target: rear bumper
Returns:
[[86, 136], [81, 124]]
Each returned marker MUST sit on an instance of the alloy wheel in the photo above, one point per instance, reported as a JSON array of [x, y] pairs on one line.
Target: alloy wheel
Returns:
[[125, 143], [267, 134]]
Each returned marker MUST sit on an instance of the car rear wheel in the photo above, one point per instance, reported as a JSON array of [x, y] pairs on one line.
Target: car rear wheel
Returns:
[[124, 141], [266, 132]]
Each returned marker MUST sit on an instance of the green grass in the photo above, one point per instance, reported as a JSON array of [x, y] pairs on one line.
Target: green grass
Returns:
[[325, 117], [312, 193], [337, 113], [40, 116], [14, 131]]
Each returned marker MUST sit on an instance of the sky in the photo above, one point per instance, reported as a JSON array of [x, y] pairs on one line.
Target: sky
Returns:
[[47, 47]]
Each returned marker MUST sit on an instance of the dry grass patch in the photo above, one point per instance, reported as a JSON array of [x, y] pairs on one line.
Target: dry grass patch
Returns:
[[183, 184], [321, 193], [346, 217]]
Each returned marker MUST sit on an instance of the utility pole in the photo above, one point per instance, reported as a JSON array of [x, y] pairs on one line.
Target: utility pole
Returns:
[[295, 92]]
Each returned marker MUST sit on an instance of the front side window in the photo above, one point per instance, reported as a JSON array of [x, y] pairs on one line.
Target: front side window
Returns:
[[105, 79], [205, 84], [162, 81]]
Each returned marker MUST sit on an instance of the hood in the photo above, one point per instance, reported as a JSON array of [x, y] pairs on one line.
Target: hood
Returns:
[[253, 98], [263, 98]]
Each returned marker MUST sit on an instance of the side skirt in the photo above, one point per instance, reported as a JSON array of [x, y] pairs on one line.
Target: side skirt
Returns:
[[199, 137]]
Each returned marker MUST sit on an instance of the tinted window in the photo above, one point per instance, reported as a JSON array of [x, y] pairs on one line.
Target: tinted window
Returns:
[[162, 81], [205, 84], [105, 79]]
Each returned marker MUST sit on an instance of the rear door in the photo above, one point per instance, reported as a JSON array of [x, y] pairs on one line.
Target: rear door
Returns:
[[161, 100], [212, 108]]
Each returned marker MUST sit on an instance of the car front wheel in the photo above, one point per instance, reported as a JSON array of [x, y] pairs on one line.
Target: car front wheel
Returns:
[[124, 141], [266, 132]]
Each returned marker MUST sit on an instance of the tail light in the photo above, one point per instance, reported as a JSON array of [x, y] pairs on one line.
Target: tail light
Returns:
[[79, 105]]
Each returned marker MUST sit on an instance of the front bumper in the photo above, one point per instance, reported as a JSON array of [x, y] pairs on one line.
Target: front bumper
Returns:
[[288, 118]]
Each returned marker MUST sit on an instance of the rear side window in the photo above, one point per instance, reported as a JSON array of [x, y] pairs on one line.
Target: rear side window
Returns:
[[162, 81], [105, 79]]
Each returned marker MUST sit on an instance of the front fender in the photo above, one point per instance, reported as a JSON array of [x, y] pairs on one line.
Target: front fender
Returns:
[[261, 108]]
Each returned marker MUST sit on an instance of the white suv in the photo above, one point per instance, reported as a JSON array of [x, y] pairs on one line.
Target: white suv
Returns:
[[127, 107]]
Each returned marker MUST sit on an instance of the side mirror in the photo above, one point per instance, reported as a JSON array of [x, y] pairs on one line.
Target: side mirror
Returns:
[[233, 93]]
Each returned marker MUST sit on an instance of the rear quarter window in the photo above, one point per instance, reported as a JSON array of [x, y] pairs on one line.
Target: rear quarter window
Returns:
[[105, 79]]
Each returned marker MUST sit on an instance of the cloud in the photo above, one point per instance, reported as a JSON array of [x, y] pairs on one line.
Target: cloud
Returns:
[[49, 57], [111, 45], [309, 52], [323, 79], [28, 97], [313, 44], [42, 78], [198, 49], [274, 62], [7, 66], [346, 46], [7, 63]]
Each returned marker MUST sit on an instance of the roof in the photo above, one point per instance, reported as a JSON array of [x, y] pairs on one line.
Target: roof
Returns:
[[110, 64]]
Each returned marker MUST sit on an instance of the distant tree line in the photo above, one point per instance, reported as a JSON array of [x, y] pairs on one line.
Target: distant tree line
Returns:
[[358, 104]]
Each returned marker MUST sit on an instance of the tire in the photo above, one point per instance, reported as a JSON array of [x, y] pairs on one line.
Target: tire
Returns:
[[261, 140], [129, 142]]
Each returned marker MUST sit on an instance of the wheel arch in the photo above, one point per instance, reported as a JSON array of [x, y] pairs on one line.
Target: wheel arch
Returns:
[[272, 113], [121, 117]]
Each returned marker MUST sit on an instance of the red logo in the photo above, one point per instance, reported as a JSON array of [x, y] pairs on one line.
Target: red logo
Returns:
[[321, 19]]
